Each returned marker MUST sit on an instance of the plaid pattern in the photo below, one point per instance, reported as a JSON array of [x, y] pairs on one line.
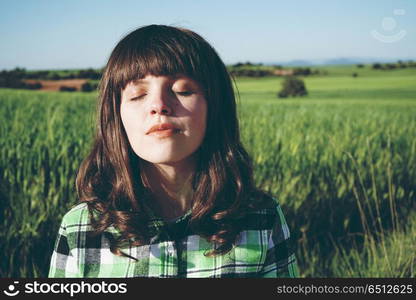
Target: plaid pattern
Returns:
[[262, 250]]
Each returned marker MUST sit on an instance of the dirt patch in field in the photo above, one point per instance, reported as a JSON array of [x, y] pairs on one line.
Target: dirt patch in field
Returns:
[[55, 85]]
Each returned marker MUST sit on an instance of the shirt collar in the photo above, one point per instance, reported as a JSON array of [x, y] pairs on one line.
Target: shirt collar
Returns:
[[159, 229]]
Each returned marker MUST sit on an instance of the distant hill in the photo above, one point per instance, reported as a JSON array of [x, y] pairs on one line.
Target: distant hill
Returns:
[[339, 61], [297, 63]]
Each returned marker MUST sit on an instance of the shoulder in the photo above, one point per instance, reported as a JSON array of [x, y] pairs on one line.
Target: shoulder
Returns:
[[265, 214], [76, 217], [78, 221], [262, 203]]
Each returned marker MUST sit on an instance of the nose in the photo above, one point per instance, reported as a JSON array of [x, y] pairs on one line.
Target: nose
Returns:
[[161, 110], [160, 105]]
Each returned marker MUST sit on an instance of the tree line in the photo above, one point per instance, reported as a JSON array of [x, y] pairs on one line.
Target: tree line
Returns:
[[259, 70], [17, 77], [391, 66]]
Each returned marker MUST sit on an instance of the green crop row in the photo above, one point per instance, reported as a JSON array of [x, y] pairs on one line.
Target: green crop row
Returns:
[[344, 170]]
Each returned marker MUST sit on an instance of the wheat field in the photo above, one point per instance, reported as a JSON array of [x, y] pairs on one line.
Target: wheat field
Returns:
[[341, 161]]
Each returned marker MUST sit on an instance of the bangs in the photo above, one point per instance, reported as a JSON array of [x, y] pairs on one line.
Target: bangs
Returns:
[[157, 52]]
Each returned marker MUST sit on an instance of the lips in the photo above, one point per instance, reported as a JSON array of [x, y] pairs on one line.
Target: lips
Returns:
[[164, 128]]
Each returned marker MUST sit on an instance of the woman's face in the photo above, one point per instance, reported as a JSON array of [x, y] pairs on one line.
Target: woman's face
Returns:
[[175, 101]]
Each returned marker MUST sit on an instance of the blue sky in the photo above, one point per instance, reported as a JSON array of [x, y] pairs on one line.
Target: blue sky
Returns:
[[46, 34]]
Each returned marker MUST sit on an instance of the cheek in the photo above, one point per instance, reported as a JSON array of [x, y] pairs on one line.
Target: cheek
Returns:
[[130, 119], [202, 123], [200, 117]]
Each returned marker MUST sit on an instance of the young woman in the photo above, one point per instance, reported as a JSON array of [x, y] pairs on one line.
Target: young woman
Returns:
[[167, 189]]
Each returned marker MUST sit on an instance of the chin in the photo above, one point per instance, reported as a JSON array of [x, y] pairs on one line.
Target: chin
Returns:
[[163, 159]]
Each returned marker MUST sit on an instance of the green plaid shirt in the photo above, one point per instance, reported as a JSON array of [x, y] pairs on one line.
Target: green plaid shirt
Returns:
[[262, 250]]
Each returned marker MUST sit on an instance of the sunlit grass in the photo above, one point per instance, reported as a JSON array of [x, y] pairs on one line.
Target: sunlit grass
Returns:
[[342, 162]]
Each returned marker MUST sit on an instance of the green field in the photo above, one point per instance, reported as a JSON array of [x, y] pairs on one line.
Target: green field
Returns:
[[341, 161]]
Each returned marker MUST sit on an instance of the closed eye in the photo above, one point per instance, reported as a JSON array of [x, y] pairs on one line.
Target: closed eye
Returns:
[[138, 97], [185, 93]]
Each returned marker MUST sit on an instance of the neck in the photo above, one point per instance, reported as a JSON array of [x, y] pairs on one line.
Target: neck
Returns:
[[171, 187]]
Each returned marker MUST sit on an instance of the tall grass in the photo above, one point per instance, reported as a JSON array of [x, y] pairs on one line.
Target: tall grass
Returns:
[[344, 174], [389, 254], [344, 171], [43, 139]]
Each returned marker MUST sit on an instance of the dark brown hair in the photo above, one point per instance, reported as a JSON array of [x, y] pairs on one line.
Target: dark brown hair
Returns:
[[109, 179]]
